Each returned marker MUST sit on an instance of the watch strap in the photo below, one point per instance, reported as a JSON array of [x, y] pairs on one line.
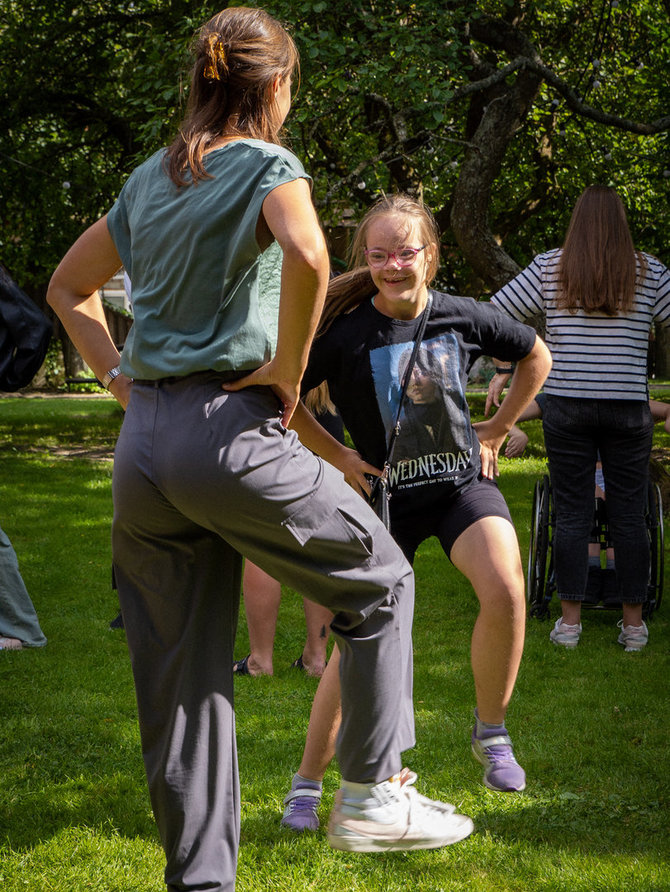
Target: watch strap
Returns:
[[109, 376]]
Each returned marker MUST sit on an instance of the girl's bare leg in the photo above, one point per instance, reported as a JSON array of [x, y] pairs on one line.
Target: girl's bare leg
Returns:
[[317, 621], [262, 596], [324, 722]]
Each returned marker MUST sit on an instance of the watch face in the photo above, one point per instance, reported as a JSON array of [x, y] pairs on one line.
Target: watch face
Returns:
[[109, 377]]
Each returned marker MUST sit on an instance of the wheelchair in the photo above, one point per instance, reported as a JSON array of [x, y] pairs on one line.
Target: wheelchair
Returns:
[[541, 584]]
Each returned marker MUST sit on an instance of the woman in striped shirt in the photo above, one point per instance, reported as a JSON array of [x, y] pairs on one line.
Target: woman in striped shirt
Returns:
[[599, 298]]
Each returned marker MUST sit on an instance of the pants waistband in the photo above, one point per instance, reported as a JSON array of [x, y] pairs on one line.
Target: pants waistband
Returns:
[[224, 377]]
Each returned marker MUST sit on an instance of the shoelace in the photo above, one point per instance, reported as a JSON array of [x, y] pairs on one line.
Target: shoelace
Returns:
[[499, 753], [407, 779], [304, 804], [632, 631]]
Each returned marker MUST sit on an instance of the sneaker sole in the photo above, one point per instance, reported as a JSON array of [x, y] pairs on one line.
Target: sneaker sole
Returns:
[[347, 843], [570, 645], [503, 789], [293, 829]]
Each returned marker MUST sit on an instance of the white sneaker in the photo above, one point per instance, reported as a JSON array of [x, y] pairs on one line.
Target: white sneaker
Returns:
[[394, 817], [564, 634], [633, 637]]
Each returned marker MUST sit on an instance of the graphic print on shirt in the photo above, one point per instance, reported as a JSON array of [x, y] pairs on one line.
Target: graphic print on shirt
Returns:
[[434, 444]]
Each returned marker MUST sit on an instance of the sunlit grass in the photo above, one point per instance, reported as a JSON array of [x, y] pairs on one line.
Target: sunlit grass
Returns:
[[590, 725]]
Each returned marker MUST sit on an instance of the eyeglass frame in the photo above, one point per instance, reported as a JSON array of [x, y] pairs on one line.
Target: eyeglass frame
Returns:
[[394, 255]]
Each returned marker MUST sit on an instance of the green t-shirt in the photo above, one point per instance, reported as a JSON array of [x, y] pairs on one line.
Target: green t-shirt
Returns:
[[193, 260]]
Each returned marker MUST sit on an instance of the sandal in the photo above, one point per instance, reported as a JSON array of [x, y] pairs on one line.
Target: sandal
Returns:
[[298, 664], [241, 667]]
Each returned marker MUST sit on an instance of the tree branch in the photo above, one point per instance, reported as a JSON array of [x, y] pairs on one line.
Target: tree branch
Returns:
[[595, 114]]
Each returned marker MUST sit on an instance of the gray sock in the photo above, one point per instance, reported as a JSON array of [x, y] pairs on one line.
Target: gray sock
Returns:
[[484, 729], [305, 782]]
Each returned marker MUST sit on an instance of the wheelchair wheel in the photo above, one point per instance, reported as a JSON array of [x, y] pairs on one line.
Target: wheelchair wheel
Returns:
[[538, 591], [656, 541]]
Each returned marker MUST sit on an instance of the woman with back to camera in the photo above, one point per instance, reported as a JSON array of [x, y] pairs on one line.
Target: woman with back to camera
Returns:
[[599, 297], [203, 476]]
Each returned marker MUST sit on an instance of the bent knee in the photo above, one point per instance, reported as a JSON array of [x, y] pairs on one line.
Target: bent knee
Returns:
[[504, 595]]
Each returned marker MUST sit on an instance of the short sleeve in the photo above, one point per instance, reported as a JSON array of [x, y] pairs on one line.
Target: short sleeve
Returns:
[[662, 306], [523, 297], [118, 226]]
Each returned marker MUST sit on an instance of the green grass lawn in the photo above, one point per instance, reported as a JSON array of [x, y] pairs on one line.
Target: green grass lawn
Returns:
[[590, 725]]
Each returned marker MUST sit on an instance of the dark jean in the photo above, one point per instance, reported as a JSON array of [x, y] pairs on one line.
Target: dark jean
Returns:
[[575, 431]]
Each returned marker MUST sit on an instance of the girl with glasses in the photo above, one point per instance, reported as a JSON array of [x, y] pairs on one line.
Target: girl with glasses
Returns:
[[442, 484]]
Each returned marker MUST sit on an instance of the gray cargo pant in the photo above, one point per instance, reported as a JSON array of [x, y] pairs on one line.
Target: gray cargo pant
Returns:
[[202, 477]]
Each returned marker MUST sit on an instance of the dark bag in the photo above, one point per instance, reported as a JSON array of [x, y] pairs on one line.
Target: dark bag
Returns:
[[25, 333], [379, 499]]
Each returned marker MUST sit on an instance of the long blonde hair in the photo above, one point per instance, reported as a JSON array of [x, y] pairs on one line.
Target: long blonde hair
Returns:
[[356, 286], [239, 54], [599, 266]]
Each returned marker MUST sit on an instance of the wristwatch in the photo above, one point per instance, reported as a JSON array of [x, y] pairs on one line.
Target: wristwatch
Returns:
[[109, 376], [504, 370]]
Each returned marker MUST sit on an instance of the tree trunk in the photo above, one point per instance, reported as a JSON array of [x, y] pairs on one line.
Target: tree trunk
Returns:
[[501, 119]]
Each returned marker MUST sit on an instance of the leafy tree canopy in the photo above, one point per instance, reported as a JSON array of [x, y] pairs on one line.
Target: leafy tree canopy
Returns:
[[497, 112]]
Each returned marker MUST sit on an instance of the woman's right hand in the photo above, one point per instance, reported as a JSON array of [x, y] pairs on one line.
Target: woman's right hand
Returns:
[[516, 443], [269, 375]]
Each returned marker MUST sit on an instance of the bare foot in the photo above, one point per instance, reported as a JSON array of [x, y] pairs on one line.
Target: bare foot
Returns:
[[10, 644]]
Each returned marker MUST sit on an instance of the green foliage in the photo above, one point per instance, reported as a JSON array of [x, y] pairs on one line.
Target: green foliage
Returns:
[[53, 368], [393, 96], [88, 89]]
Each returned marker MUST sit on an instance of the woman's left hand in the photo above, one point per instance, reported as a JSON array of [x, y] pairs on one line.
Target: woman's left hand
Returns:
[[120, 389], [490, 441], [268, 375]]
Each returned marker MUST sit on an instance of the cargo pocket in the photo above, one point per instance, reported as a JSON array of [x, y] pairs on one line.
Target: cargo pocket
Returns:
[[342, 538]]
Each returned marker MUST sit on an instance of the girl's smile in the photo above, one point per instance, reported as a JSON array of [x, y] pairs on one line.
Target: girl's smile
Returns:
[[402, 289]]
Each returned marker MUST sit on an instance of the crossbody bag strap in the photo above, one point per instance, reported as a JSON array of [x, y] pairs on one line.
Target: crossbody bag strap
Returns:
[[408, 374]]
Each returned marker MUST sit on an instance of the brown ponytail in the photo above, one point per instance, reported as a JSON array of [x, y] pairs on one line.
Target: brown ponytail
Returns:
[[344, 293], [239, 54]]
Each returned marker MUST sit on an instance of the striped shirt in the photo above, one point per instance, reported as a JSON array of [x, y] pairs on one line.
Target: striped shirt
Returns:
[[595, 356]]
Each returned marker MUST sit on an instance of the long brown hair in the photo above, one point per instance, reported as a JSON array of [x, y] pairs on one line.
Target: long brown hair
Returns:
[[352, 288], [599, 266], [239, 54]]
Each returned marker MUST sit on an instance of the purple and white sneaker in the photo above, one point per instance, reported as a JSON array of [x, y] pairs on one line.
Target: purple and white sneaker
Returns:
[[300, 809], [502, 771]]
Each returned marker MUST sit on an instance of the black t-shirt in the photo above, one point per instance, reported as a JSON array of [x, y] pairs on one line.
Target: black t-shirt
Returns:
[[363, 357]]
